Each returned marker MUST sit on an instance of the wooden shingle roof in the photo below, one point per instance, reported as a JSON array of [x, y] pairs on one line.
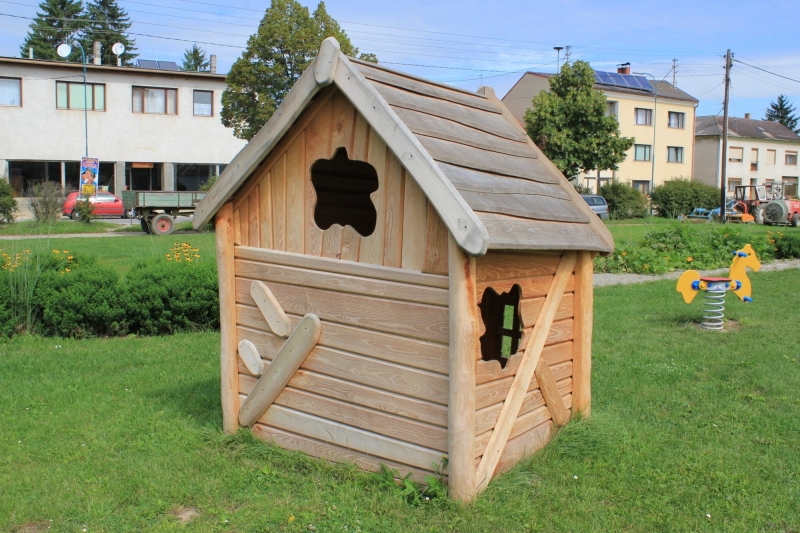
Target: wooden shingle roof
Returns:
[[488, 182]]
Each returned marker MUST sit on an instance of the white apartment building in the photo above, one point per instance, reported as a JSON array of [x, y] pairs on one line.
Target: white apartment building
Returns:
[[151, 128], [759, 152]]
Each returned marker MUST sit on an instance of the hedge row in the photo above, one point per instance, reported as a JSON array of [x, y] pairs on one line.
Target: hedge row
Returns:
[[681, 196], [74, 296]]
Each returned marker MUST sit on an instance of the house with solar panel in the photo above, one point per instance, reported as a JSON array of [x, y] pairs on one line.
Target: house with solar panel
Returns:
[[152, 126], [660, 117]]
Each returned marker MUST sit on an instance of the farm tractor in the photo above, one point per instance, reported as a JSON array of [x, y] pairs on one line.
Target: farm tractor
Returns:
[[773, 203]]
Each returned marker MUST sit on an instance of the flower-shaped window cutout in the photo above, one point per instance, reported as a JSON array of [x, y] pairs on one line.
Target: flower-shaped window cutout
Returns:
[[500, 314]]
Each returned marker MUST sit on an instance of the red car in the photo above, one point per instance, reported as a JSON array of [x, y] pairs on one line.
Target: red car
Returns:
[[105, 205]]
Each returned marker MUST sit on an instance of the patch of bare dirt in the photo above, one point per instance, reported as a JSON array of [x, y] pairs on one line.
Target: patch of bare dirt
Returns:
[[186, 514], [32, 527]]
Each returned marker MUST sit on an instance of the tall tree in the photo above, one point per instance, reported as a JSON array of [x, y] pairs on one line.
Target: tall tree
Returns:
[[108, 23], [782, 111], [287, 40], [194, 60], [56, 22], [569, 123]]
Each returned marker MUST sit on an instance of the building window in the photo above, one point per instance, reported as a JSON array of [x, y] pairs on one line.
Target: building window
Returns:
[[500, 315], [771, 157], [791, 158], [156, 101], [644, 117], [69, 95], [676, 120], [754, 159], [641, 152], [642, 186], [733, 183], [11, 92], [611, 109], [192, 177], [674, 154], [203, 106], [735, 154]]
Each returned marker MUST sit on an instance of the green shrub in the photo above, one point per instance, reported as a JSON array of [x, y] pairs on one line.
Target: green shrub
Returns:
[[624, 201], [786, 246], [209, 183], [683, 246], [46, 202], [165, 297], [680, 196], [85, 211], [79, 299], [8, 206]]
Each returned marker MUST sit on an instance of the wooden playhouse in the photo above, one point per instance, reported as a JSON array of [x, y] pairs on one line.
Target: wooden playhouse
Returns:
[[443, 266]]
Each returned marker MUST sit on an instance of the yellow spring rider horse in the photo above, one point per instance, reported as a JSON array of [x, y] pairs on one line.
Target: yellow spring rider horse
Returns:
[[690, 283]]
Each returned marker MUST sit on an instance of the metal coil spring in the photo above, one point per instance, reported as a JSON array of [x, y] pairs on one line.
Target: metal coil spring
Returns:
[[714, 309]]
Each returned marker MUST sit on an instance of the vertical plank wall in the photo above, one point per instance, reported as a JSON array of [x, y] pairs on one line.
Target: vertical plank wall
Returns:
[[534, 273], [275, 210]]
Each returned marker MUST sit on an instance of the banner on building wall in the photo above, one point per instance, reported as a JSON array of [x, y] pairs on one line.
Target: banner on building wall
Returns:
[[90, 170]]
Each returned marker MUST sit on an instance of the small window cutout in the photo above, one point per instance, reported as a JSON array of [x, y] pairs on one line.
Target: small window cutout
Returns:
[[500, 314], [343, 187]]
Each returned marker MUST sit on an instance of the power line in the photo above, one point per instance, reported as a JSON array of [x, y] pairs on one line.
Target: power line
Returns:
[[767, 71]]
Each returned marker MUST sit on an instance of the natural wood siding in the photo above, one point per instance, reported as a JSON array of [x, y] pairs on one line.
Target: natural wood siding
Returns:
[[275, 209], [376, 383], [534, 274]]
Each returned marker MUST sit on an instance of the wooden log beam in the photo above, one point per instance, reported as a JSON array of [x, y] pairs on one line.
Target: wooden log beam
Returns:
[[250, 357], [551, 394], [522, 379], [582, 335], [227, 320], [462, 361], [273, 313], [281, 369]]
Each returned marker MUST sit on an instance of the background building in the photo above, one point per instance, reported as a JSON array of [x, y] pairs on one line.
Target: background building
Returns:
[[671, 120], [759, 152], [152, 128]]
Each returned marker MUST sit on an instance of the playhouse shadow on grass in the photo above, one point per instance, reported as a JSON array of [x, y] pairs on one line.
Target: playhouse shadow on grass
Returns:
[[442, 263]]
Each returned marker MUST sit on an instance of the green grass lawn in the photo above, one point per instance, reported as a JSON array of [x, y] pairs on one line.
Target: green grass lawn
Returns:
[[633, 230], [59, 227], [119, 252], [691, 431]]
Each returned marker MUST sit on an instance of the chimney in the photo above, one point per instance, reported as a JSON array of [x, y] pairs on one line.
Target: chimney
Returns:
[[747, 116], [97, 50], [624, 68], [30, 52], [213, 64]]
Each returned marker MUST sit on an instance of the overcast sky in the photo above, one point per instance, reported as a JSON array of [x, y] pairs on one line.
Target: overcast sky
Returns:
[[469, 42]]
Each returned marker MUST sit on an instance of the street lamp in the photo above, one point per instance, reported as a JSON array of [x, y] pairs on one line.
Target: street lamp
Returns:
[[64, 50], [653, 151]]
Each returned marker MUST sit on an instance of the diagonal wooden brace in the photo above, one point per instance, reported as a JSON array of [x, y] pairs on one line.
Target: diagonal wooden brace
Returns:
[[524, 375], [281, 369]]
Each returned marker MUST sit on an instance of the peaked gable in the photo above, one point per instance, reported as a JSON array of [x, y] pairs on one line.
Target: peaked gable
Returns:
[[489, 184]]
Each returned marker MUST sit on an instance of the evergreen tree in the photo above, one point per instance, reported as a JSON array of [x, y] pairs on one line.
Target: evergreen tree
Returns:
[[287, 40], [56, 22], [107, 23], [783, 112], [569, 123], [194, 60]]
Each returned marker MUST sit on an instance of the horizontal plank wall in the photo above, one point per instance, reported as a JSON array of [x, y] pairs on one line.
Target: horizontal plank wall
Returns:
[[275, 209], [534, 274], [375, 388]]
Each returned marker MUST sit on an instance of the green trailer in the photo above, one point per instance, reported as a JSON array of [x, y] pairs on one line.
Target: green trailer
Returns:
[[157, 209]]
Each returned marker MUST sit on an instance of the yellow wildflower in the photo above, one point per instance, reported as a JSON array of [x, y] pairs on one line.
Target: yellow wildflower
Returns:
[[624, 253], [196, 255], [56, 252], [169, 257], [66, 251], [689, 259], [67, 270], [189, 259], [27, 251]]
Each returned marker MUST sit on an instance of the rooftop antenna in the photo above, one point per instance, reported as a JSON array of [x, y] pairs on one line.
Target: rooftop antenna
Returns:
[[567, 54], [558, 57]]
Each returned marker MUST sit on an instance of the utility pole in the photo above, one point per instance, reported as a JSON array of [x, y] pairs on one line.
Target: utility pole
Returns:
[[724, 173], [674, 71]]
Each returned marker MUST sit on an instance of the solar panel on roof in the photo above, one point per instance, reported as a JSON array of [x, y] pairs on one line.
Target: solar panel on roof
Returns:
[[629, 81], [147, 63], [167, 65]]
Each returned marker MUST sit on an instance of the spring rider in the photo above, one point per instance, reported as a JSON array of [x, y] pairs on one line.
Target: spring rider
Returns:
[[690, 283]]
